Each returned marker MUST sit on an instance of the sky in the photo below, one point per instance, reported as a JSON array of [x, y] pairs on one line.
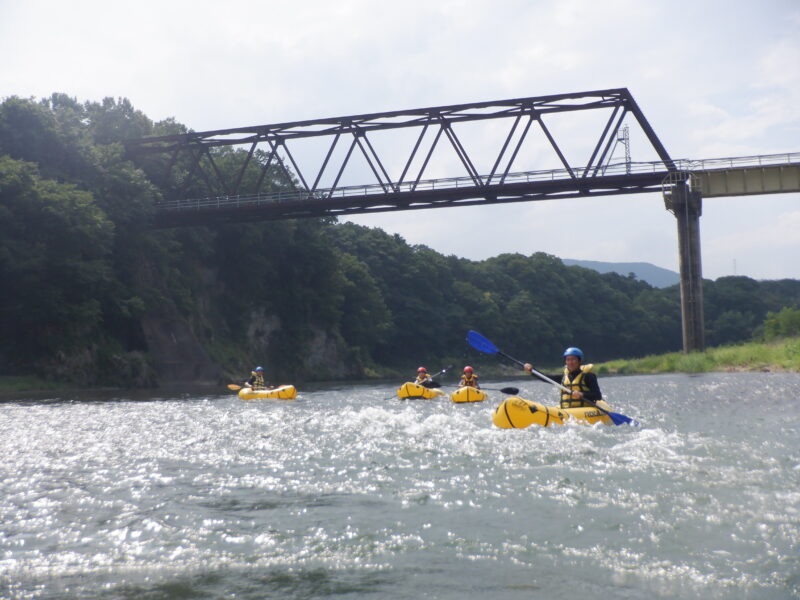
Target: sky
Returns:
[[715, 78]]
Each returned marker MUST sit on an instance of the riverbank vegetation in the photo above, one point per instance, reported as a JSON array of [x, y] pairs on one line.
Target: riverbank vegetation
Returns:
[[15, 383], [776, 349], [783, 355], [92, 295]]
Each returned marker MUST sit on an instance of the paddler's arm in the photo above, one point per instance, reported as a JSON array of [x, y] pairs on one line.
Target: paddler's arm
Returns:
[[529, 368], [594, 394]]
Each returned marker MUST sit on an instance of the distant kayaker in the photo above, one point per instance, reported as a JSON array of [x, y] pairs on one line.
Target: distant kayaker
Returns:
[[256, 381], [578, 378], [469, 378], [422, 376]]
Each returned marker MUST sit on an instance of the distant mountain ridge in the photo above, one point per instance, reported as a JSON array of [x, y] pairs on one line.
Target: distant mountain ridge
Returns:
[[655, 276]]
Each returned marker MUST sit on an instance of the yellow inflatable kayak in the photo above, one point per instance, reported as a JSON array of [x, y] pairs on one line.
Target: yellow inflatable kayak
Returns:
[[467, 394], [413, 390], [516, 412], [282, 392]]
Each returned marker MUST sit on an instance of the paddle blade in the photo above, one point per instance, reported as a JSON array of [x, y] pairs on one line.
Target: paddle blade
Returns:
[[616, 418], [234, 387], [510, 390], [480, 343], [620, 419]]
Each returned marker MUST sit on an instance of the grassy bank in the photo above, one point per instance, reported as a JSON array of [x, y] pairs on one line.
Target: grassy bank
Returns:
[[781, 355], [19, 383]]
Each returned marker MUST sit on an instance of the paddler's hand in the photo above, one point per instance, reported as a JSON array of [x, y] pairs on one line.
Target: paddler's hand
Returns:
[[528, 367], [577, 395]]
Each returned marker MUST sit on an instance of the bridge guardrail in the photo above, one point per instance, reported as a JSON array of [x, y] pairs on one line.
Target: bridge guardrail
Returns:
[[625, 168]]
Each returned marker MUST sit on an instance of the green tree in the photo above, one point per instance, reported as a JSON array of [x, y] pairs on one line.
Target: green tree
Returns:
[[781, 324], [366, 320], [55, 251]]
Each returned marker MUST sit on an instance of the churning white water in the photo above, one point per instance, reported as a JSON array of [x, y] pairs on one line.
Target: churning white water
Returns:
[[343, 493]]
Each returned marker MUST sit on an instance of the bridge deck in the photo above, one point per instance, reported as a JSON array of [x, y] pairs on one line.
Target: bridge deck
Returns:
[[750, 180], [717, 177]]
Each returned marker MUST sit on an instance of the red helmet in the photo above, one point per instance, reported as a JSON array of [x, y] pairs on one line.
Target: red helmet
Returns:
[[422, 370], [467, 369]]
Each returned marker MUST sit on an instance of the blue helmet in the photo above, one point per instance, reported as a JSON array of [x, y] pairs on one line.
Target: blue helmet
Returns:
[[573, 351], [259, 369]]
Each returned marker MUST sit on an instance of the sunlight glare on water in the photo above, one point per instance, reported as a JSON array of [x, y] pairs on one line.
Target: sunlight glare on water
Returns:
[[345, 493]]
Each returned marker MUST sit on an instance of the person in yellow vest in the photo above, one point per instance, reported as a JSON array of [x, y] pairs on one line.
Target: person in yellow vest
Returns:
[[469, 378], [256, 381], [578, 378], [422, 376]]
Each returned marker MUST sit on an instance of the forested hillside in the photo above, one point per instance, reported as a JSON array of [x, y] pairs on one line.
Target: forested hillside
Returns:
[[92, 295]]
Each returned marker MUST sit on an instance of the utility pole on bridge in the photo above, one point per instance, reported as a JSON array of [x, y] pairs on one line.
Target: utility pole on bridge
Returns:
[[683, 199]]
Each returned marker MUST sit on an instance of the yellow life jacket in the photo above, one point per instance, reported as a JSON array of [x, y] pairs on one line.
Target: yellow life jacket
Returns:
[[576, 385], [469, 379], [422, 377], [258, 383]]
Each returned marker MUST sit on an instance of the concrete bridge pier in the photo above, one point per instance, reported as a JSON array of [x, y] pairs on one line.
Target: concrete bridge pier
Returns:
[[685, 201]]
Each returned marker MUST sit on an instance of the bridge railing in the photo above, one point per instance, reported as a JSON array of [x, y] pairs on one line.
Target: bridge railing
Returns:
[[486, 181], [739, 162]]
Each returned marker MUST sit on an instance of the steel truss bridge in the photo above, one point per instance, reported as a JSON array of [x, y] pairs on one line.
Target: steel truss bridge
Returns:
[[747, 175], [188, 165], [346, 140]]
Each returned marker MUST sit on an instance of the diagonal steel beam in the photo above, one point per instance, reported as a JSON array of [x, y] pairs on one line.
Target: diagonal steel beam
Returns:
[[373, 156], [602, 137], [648, 130], [462, 154], [555, 146], [608, 142], [503, 149], [443, 118], [325, 162], [235, 190], [524, 135], [413, 153], [427, 158], [344, 164]]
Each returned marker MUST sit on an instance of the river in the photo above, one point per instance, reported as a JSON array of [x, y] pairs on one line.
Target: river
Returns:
[[348, 493]]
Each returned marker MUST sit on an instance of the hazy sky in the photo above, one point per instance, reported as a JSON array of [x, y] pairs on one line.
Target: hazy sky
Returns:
[[714, 78]]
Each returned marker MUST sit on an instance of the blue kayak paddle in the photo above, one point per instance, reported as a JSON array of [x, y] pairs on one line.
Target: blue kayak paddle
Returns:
[[482, 344]]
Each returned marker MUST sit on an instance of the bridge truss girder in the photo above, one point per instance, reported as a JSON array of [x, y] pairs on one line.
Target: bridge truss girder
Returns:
[[267, 208], [194, 151]]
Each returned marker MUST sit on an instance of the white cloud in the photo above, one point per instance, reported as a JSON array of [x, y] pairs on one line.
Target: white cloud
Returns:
[[713, 78], [761, 233], [782, 235]]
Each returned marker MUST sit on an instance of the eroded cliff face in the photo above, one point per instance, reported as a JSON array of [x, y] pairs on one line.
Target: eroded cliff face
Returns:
[[176, 353], [175, 350], [96, 365], [187, 347], [328, 357], [322, 356], [260, 330]]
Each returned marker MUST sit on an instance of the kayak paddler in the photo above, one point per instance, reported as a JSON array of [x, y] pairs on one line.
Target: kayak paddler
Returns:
[[469, 378], [256, 381], [576, 377], [422, 376]]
